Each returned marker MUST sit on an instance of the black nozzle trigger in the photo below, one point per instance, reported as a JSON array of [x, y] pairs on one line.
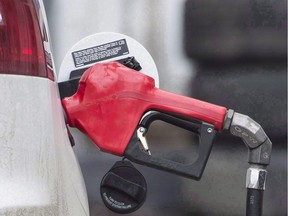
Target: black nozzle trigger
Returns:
[[206, 133]]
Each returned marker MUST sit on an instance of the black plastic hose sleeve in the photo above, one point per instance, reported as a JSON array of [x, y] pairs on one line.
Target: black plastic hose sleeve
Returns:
[[254, 202]]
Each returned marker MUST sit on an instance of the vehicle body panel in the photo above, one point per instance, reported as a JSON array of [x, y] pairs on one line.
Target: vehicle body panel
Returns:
[[39, 172]]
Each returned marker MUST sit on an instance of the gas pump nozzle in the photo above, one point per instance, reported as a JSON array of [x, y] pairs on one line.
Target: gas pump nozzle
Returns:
[[115, 105]]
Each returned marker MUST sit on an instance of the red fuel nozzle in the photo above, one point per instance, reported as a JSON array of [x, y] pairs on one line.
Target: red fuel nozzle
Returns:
[[111, 100]]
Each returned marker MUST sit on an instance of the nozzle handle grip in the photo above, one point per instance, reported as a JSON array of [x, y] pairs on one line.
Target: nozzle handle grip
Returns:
[[188, 108]]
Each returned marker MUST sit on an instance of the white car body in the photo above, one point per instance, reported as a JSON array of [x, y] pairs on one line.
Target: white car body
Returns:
[[39, 173]]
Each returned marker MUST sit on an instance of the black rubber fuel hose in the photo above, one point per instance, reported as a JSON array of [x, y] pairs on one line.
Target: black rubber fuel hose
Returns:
[[254, 202]]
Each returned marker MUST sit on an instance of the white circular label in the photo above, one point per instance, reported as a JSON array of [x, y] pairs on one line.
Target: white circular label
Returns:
[[105, 47]]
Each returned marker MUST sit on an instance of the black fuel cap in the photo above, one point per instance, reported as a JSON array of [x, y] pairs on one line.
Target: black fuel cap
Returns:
[[123, 189]]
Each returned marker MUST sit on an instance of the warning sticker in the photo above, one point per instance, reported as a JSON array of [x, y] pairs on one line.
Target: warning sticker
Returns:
[[100, 53]]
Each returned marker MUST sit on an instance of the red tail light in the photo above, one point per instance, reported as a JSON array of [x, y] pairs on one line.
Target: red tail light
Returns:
[[21, 42]]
